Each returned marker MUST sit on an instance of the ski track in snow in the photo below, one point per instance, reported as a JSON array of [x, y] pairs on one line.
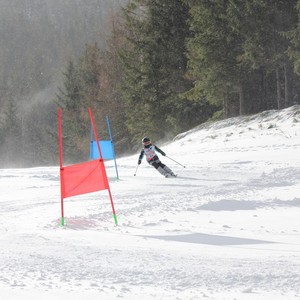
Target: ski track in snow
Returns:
[[226, 228]]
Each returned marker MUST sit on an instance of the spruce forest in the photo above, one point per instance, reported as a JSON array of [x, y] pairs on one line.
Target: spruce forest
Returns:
[[155, 67]]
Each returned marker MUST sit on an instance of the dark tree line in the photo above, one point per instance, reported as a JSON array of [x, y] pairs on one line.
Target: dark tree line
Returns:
[[228, 57], [166, 67], [151, 61], [239, 54], [37, 39]]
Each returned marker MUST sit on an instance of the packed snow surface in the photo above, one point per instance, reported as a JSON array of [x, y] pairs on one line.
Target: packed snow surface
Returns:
[[228, 227]]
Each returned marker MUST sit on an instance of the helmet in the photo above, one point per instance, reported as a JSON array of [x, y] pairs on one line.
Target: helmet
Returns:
[[145, 140]]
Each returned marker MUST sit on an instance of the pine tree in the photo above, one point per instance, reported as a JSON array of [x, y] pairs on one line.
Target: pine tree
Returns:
[[239, 52], [11, 146], [214, 52], [154, 66], [293, 36], [111, 102], [265, 47], [71, 99]]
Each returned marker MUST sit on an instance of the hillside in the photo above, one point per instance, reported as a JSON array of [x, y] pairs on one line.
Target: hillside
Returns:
[[226, 228]]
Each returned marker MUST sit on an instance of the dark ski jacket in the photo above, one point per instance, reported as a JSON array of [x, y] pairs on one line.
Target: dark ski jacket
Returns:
[[149, 152]]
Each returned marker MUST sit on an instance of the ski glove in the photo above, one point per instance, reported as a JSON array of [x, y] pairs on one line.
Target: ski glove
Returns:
[[139, 162], [163, 154]]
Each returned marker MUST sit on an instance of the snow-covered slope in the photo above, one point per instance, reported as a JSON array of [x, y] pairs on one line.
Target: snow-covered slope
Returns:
[[227, 228]]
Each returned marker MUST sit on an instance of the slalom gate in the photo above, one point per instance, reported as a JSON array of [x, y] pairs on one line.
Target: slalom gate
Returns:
[[107, 147], [85, 177]]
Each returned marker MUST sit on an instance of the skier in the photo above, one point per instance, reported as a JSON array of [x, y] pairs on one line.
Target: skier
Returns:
[[149, 151]]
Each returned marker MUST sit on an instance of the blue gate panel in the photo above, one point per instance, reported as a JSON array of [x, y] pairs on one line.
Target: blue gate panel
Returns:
[[107, 150]]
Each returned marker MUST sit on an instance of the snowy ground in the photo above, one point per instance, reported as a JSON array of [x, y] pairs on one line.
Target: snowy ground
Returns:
[[227, 228]]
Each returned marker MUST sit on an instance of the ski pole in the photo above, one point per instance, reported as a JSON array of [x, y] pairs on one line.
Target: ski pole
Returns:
[[136, 170], [175, 161]]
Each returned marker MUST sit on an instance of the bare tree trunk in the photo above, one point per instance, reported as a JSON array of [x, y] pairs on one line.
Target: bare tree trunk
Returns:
[[265, 102], [226, 104], [279, 102], [242, 99], [286, 85]]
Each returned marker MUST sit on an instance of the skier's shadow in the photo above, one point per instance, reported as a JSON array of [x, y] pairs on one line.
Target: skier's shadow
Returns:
[[209, 239]]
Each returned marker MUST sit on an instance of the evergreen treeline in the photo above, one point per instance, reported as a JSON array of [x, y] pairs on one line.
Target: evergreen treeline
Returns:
[[170, 65], [239, 55], [37, 38]]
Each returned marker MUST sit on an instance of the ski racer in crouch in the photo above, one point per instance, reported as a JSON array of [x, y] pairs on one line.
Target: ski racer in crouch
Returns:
[[149, 151]]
